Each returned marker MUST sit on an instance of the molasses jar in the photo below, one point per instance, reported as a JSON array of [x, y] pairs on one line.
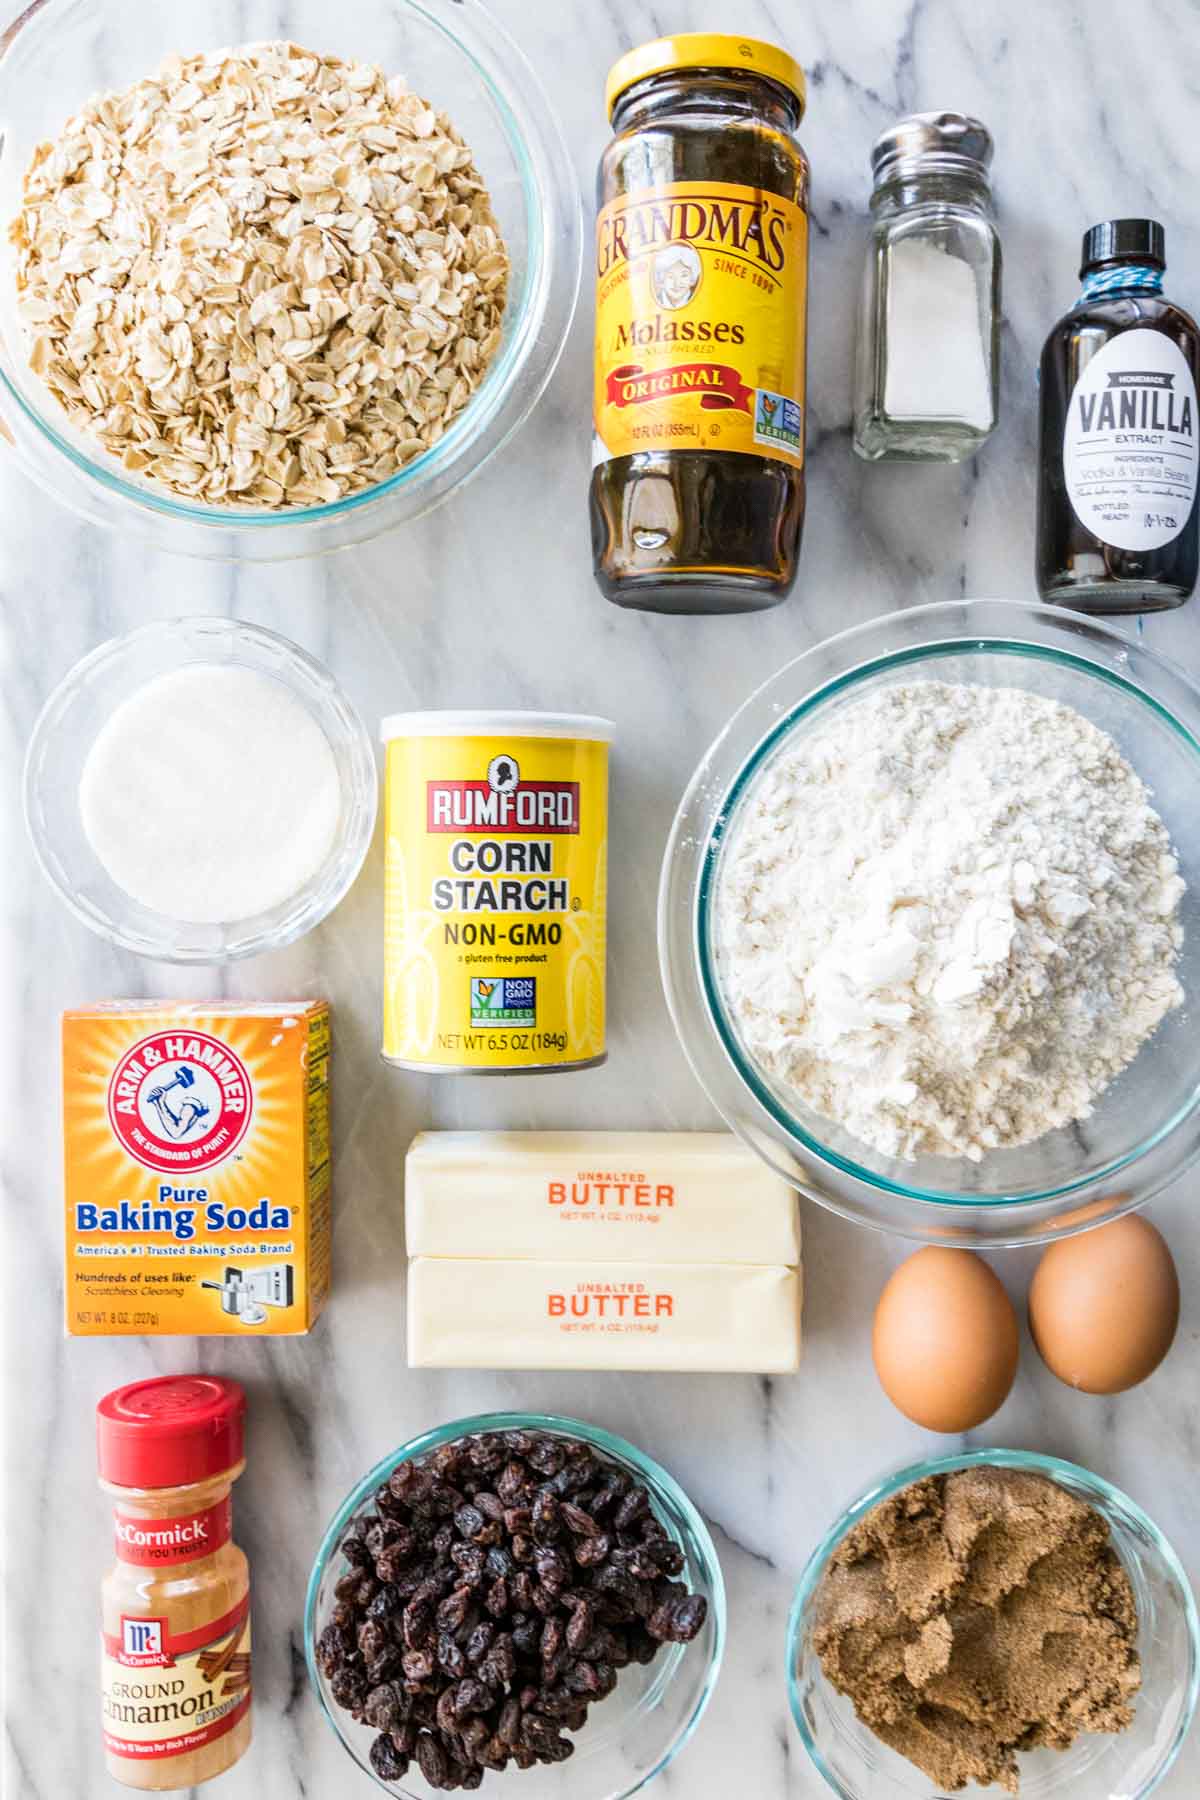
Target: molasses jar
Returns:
[[697, 494]]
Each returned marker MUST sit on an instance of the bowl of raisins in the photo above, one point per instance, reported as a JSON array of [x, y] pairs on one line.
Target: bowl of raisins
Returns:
[[516, 1602]]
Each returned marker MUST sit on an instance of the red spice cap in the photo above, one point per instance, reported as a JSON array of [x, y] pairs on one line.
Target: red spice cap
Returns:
[[170, 1431]]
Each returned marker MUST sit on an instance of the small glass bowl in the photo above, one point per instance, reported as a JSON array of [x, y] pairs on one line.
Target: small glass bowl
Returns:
[[631, 1736], [57, 53], [1128, 1766], [66, 730], [1144, 1129]]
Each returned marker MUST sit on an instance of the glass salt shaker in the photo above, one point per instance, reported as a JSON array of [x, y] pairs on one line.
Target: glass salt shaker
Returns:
[[928, 363]]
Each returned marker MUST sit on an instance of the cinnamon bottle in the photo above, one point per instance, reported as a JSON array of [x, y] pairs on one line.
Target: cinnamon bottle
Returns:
[[175, 1660]]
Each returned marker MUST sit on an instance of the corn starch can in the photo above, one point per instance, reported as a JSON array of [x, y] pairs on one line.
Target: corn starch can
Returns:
[[496, 891]]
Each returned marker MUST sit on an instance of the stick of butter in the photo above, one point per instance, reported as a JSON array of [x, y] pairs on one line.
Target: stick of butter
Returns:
[[616, 1196], [476, 1313]]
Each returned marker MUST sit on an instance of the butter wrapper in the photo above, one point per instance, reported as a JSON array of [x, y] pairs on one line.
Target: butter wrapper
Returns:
[[475, 1313], [608, 1196]]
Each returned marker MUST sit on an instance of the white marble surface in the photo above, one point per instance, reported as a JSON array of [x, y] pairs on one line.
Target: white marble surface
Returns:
[[491, 600]]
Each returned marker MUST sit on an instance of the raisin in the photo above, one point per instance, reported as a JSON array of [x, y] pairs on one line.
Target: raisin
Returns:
[[469, 1561], [388, 1762], [508, 1730], [418, 1622], [418, 1665], [450, 1658], [581, 1678], [576, 1520], [349, 1687], [453, 1609], [486, 1452], [687, 1618], [633, 1506], [469, 1522], [383, 1708], [470, 1696], [546, 1456], [591, 1552], [553, 1568], [496, 1599], [331, 1651], [545, 1517], [581, 1626], [431, 1759], [513, 1483]]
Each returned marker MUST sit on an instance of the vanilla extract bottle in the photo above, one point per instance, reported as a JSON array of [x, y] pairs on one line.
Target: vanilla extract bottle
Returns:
[[1117, 516]]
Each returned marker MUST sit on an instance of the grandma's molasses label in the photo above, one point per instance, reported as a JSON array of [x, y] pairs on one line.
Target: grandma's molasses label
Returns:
[[701, 291]]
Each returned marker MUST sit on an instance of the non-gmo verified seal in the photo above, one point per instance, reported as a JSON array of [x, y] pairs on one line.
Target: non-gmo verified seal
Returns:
[[180, 1100], [503, 1000], [778, 420]]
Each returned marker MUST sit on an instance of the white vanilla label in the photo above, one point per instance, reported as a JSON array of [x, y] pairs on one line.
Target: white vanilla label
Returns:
[[1130, 442]]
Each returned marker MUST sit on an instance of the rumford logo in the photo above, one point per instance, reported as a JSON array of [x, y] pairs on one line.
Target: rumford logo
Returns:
[[751, 228], [503, 803], [180, 1100]]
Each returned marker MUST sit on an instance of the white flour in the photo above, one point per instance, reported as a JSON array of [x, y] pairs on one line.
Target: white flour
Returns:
[[947, 918]]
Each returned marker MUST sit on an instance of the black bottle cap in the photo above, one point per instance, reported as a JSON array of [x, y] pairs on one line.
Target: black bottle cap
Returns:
[[1124, 240]]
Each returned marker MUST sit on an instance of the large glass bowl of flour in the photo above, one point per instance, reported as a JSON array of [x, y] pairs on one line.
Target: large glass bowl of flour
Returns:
[[1143, 1128]]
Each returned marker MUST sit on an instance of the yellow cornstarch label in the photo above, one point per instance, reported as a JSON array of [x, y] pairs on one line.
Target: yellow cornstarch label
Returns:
[[701, 290], [495, 901]]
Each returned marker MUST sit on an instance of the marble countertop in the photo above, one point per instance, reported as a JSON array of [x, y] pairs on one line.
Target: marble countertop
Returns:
[[491, 600]]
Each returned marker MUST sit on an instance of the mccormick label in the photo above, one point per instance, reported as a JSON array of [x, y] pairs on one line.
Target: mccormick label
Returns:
[[701, 292], [156, 1543], [1130, 442], [495, 901], [166, 1694]]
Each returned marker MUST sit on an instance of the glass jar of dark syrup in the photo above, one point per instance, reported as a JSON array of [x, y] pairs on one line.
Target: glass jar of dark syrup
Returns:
[[1117, 516], [697, 490]]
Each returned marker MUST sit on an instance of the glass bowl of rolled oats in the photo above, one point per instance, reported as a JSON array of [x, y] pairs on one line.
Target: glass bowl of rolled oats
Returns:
[[267, 298]]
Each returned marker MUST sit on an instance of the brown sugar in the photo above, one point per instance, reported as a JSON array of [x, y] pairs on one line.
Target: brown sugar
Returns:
[[976, 1614]]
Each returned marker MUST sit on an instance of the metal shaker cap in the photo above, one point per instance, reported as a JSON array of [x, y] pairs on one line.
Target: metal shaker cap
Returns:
[[932, 143]]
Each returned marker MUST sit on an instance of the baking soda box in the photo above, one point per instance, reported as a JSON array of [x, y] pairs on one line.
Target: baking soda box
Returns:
[[197, 1171]]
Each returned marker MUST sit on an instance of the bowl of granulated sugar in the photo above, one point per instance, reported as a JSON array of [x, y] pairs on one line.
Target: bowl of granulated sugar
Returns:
[[200, 790]]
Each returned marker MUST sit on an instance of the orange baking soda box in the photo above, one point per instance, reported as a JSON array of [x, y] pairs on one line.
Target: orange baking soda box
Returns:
[[197, 1174]]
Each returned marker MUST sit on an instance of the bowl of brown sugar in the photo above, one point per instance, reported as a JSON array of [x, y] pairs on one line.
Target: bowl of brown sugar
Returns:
[[1000, 1620]]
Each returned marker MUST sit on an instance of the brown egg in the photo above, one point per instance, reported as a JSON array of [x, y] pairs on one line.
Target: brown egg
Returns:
[[945, 1340], [1103, 1307]]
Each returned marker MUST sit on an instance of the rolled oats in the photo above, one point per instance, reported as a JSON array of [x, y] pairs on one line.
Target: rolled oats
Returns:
[[262, 276]]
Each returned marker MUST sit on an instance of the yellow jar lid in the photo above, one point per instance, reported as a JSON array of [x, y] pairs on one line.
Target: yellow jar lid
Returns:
[[704, 50]]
